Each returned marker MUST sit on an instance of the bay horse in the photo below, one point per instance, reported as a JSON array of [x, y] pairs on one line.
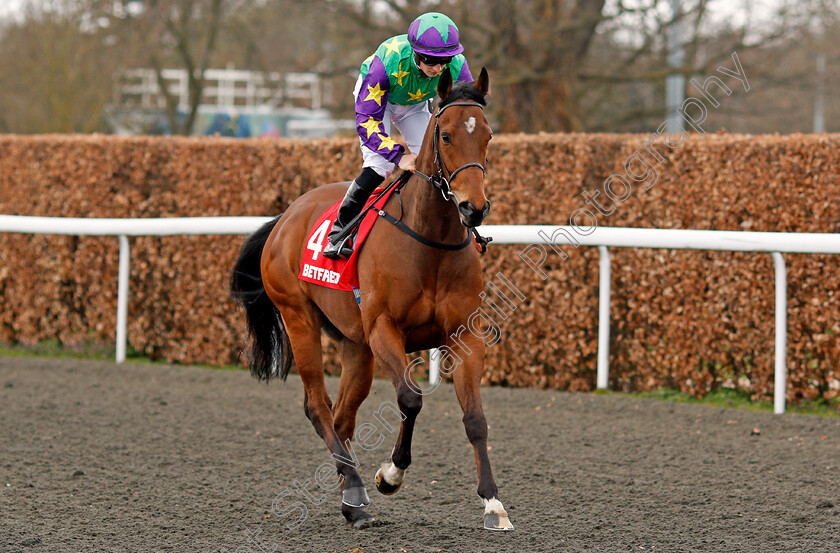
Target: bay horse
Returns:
[[415, 295]]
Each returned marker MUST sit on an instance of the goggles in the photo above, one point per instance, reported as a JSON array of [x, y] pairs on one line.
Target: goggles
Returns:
[[432, 60]]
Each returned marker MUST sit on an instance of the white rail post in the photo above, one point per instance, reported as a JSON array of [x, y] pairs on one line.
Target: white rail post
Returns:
[[604, 282], [122, 298], [780, 381], [434, 366]]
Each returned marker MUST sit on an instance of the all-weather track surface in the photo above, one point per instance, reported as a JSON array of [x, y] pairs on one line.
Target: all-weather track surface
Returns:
[[139, 457]]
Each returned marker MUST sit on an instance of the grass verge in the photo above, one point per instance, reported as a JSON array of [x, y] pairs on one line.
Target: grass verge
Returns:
[[737, 399], [91, 350]]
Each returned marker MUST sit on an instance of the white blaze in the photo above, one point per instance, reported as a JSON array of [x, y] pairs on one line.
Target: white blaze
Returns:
[[470, 124]]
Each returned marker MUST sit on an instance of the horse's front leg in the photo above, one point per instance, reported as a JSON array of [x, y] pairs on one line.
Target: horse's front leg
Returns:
[[467, 379], [388, 346]]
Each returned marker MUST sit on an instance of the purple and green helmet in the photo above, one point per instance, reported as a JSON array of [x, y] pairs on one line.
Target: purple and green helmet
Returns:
[[434, 34]]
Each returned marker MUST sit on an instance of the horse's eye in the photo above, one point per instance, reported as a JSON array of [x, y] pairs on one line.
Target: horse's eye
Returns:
[[445, 137]]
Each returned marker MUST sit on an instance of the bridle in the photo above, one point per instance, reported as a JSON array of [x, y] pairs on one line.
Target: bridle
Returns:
[[443, 177], [440, 181]]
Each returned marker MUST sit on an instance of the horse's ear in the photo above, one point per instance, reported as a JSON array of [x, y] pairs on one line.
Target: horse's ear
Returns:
[[444, 86], [482, 84]]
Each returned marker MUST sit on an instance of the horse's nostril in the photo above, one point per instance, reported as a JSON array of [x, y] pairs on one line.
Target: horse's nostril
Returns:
[[471, 215], [467, 208]]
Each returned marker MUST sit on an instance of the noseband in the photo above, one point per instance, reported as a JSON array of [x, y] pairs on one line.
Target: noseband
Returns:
[[443, 177]]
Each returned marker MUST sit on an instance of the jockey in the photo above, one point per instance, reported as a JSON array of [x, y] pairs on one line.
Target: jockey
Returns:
[[395, 86]]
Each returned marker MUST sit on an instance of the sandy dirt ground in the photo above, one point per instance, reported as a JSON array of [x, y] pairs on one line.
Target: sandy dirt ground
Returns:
[[140, 457]]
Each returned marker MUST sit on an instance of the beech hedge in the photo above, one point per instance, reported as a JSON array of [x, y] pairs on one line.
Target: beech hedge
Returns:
[[688, 320]]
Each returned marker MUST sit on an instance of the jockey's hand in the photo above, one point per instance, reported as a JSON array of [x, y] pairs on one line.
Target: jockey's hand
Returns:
[[407, 162]]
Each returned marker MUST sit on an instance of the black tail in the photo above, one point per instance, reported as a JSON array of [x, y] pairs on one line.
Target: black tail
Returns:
[[270, 351]]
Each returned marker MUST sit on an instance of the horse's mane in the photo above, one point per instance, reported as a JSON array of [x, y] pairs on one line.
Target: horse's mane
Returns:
[[464, 91]]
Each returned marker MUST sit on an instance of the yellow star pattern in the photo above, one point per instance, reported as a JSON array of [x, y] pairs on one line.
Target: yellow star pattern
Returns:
[[416, 96], [387, 142], [375, 94], [369, 59], [372, 126], [393, 46], [399, 74]]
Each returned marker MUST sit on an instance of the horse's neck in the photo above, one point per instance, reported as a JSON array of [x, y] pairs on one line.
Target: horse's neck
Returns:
[[425, 209], [429, 214]]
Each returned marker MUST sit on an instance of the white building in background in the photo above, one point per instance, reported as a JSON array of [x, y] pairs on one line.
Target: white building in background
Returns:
[[233, 103]]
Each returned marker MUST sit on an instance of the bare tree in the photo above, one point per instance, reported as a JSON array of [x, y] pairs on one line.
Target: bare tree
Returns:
[[561, 65], [535, 49], [56, 70], [556, 65], [181, 34], [163, 34]]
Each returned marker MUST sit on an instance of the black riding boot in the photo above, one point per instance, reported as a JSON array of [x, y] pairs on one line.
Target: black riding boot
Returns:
[[352, 204]]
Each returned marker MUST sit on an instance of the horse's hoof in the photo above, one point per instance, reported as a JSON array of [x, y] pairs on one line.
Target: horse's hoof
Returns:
[[359, 518], [497, 522], [383, 486], [495, 516], [355, 497], [363, 523]]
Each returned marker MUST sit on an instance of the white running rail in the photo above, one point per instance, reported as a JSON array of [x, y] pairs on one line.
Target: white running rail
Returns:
[[602, 237]]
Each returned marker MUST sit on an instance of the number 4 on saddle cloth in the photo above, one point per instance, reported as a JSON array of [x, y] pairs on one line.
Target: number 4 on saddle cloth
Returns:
[[339, 274]]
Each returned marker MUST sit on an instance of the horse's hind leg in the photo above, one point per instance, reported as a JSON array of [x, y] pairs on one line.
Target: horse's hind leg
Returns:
[[356, 380], [303, 325]]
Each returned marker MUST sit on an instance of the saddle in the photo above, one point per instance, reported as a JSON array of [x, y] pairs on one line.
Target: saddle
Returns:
[[339, 274]]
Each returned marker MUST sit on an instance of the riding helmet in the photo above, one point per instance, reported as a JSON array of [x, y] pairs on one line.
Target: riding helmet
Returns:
[[434, 34]]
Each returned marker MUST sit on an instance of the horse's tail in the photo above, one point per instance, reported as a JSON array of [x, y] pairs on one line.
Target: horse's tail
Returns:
[[270, 350]]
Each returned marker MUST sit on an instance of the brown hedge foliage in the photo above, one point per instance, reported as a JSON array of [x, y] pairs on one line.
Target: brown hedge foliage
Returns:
[[691, 320]]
